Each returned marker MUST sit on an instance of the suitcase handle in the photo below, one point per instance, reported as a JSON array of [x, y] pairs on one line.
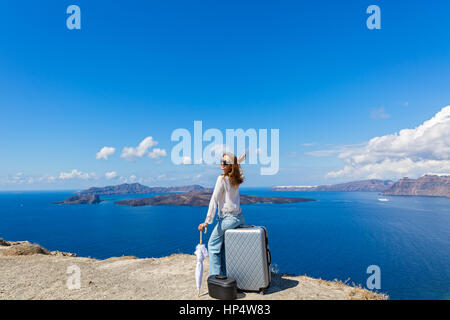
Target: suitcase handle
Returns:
[[245, 226]]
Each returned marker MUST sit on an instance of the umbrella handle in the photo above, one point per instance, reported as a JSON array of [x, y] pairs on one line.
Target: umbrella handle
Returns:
[[201, 234]]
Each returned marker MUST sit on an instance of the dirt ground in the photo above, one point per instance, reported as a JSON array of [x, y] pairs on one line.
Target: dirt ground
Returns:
[[46, 276]]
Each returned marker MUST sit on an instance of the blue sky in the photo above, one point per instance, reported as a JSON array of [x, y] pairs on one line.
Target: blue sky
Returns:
[[311, 69]]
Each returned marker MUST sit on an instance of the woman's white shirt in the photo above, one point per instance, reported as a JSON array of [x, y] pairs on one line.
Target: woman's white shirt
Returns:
[[225, 199]]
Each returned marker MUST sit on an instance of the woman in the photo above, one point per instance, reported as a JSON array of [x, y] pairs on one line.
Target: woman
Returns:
[[225, 198]]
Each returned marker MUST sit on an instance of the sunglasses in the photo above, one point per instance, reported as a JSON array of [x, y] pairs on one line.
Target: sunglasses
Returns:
[[225, 163]]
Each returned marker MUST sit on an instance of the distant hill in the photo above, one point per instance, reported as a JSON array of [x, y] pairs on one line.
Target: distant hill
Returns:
[[201, 199], [137, 188], [362, 185], [428, 185]]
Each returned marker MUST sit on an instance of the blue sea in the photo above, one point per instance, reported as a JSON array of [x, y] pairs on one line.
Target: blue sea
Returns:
[[336, 237]]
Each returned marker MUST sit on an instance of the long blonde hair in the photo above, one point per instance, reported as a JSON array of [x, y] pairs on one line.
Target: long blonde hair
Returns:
[[235, 174]]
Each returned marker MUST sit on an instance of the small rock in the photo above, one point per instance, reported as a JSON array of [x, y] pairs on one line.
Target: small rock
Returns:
[[62, 254]]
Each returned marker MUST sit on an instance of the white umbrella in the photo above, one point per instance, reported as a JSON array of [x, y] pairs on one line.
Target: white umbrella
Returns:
[[201, 252]]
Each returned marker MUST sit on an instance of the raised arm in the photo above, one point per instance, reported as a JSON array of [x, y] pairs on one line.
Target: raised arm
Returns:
[[218, 190]]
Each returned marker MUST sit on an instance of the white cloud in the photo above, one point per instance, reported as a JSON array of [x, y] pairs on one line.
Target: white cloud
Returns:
[[75, 174], [410, 152], [157, 153], [164, 177], [187, 160], [131, 154], [44, 179], [105, 152], [379, 113], [130, 179], [111, 175], [21, 179], [308, 144], [18, 178], [334, 150]]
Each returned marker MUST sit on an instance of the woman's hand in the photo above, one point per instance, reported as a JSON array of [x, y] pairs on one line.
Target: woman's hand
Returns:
[[202, 226]]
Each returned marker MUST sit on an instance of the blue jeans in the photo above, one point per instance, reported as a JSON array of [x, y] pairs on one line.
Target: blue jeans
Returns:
[[216, 248]]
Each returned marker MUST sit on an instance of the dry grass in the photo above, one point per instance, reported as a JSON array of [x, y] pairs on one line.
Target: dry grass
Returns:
[[353, 291], [359, 293]]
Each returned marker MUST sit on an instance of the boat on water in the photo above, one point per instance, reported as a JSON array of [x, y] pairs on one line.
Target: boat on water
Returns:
[[383, 199]]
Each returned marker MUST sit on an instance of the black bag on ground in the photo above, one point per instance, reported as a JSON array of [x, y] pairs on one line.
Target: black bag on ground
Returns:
[[222, 287]]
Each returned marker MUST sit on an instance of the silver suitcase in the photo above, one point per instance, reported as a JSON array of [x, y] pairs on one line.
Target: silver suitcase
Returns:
[[247, 257]]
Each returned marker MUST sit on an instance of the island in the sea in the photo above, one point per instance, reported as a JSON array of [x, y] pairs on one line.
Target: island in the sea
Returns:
[[81, 199], [362, 185], [191, 195], [428, 185], [137, 188], [201, 199]]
